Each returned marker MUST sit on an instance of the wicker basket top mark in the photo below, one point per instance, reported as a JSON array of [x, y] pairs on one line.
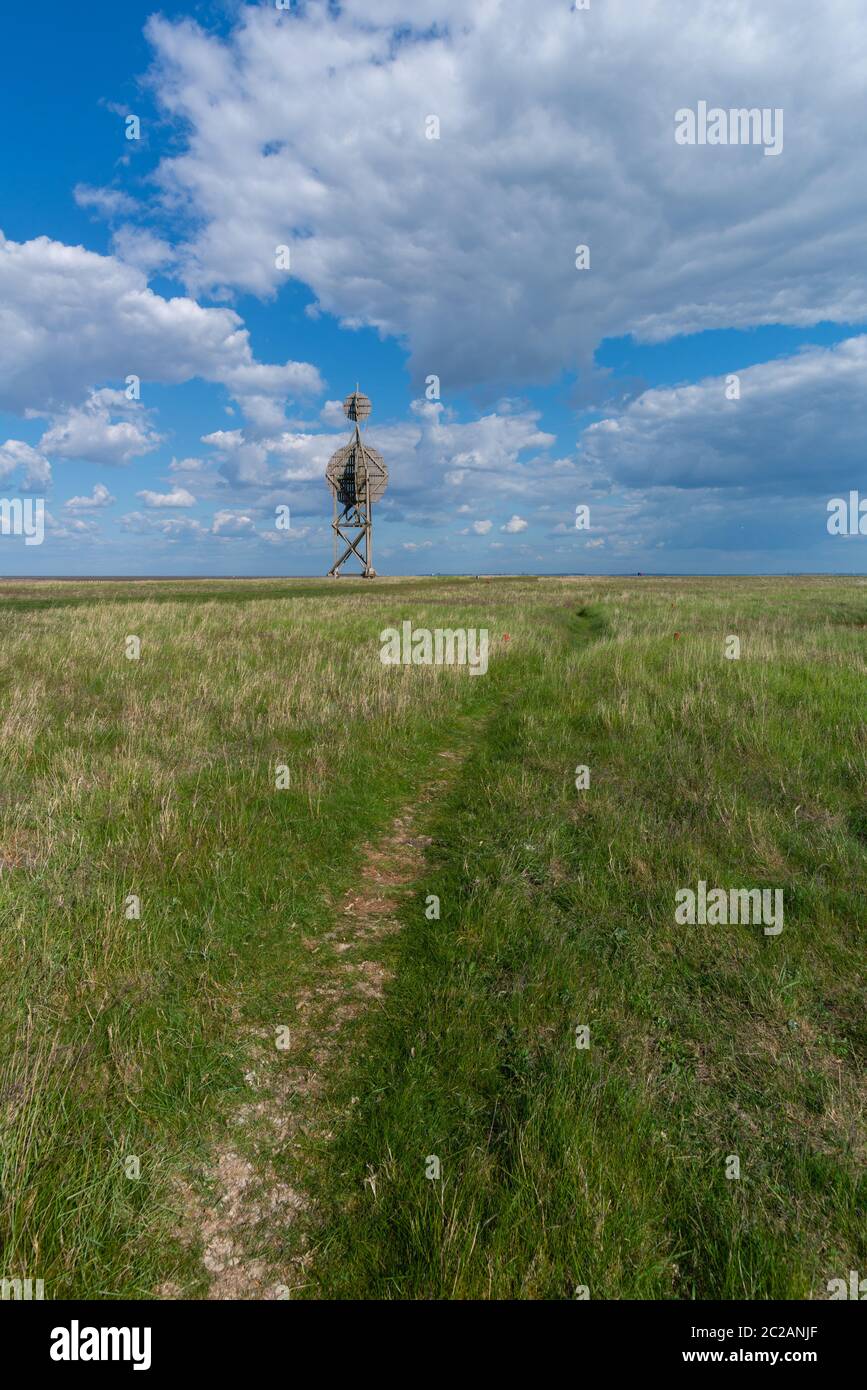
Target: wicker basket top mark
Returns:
[[357, 406], [351, 468]]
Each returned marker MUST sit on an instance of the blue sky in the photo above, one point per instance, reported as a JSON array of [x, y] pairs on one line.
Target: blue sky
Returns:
[[414, 257]]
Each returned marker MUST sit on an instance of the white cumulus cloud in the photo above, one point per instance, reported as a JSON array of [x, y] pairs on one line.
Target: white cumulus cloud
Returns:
[[556, 128], [100, 497], [72, 320], [178, 497]]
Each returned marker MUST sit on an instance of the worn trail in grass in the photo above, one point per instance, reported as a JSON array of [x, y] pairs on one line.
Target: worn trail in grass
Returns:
[[251, 1214], [125, 1038], [603, 1171]]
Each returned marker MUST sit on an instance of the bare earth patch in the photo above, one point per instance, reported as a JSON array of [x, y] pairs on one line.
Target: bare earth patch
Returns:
[[246, 1198]]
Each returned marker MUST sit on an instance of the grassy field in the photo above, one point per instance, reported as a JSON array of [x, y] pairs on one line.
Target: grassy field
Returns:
[[138, 1053]]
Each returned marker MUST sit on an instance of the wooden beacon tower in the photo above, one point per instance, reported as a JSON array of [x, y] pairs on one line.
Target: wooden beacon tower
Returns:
[[357, 477]]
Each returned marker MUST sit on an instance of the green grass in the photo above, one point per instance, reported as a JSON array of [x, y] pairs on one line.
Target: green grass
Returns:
[[560, 1167]]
